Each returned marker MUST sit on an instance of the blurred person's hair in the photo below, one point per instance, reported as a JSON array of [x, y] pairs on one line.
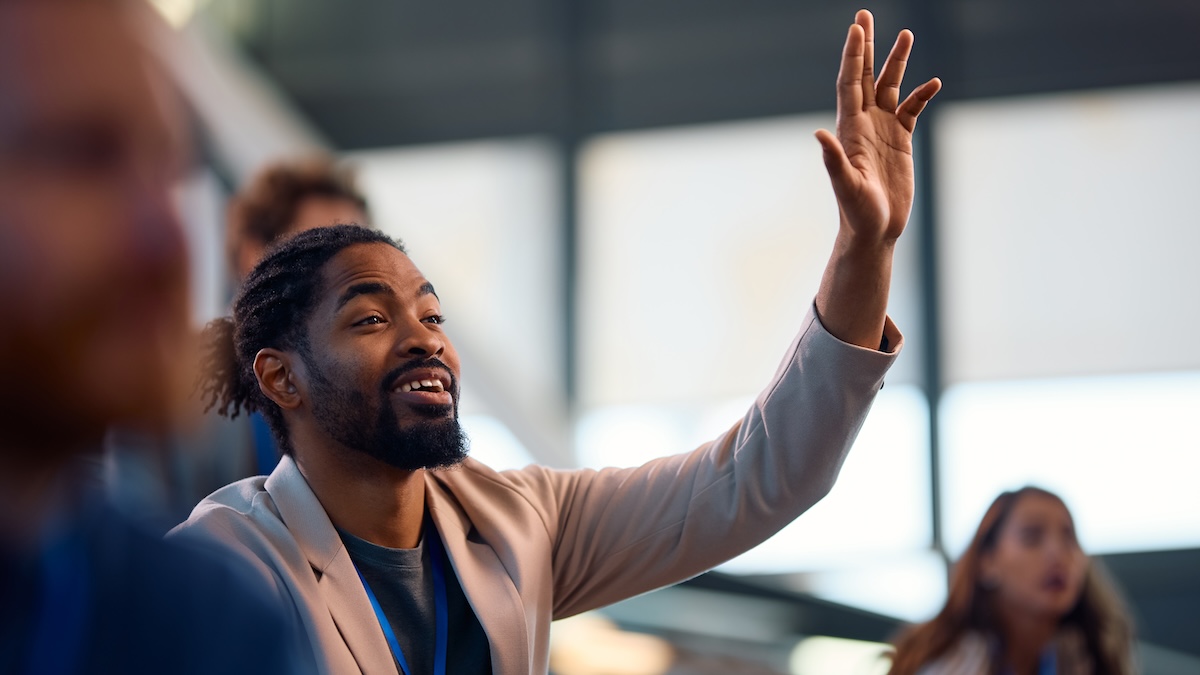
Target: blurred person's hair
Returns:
[[271, 310], [266, 209], [1100, 614]]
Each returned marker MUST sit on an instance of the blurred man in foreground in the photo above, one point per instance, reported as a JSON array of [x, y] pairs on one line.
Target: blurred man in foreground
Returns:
[[93, 322]]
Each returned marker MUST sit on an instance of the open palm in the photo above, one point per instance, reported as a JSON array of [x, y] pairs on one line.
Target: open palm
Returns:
[[870, 160]]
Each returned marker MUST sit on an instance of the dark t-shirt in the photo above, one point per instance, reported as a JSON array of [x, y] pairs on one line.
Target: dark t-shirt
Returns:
[[129, 602], [402, 581]]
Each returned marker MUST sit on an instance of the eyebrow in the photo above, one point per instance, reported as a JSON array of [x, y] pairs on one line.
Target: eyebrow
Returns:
[[364, 288], [377, 288]]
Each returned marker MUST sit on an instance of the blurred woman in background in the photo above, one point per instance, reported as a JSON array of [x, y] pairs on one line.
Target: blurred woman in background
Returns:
[[1024, 600]]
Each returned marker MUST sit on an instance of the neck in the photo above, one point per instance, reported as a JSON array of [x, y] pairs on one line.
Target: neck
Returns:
[[370, 499], [1025, 638]]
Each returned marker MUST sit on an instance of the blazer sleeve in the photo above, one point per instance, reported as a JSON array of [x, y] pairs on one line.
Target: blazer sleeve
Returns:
[[616, 533]]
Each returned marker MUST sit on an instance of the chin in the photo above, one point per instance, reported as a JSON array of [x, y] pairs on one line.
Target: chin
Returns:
[[430, 444], [1057, 607]]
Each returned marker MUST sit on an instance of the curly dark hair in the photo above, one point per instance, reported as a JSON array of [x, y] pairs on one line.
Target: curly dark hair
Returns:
[[266, 208], [271, 311]]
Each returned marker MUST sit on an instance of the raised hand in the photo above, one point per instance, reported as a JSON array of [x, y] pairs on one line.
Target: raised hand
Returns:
[[870, 165], [870, 160]]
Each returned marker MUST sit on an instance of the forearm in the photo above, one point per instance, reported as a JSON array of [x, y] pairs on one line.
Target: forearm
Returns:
[[852, 299]]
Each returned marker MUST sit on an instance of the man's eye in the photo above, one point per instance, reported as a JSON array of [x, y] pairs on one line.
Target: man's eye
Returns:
[[437, 319], [372, 320]]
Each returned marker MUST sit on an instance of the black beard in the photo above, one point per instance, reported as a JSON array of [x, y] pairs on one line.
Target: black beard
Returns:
[[437, 442]]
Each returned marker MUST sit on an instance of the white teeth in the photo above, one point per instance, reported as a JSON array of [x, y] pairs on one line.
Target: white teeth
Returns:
[[433, 385]]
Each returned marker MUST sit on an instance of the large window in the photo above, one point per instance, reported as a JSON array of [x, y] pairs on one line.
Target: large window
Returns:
[[1069, 306], [1124, 452]]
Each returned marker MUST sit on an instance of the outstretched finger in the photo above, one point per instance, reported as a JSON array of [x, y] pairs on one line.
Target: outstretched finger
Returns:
[[915, 103], [887, 87], [849, 89], [867, 21]]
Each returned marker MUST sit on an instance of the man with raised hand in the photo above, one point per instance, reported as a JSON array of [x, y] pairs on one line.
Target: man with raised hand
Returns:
[[400, 553]]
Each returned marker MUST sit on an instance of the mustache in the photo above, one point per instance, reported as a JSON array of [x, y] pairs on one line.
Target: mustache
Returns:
[[393, 377]]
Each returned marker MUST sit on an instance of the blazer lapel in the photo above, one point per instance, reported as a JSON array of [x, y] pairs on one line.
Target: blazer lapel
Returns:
[[357, 628], [486, 583]]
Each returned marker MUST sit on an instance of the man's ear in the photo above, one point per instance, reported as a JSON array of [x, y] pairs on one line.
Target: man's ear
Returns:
[[279, 377]]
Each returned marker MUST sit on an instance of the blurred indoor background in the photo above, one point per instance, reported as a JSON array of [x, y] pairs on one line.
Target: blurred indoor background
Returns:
[[626, 216]]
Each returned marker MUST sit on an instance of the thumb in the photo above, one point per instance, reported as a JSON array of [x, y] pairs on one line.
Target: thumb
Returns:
[[836, 162]]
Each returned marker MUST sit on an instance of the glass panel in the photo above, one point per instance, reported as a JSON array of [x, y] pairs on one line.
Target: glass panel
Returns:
[[910, 587], [200, 201], [493, 444], [1069, 233], [1122, 451], [701, 250]]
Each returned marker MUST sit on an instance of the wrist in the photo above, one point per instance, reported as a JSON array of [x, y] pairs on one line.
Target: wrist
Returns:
[[853, 246]]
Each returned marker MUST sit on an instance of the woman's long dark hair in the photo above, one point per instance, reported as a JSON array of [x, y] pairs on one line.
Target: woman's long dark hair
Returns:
[[1099, 615]]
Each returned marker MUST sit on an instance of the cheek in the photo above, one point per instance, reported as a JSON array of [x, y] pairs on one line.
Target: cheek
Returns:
[[1078, 571], [1018, 569], [81, 333], [56, 242]]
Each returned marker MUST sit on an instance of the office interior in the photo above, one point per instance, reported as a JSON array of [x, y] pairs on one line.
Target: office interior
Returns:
[[625, 213]]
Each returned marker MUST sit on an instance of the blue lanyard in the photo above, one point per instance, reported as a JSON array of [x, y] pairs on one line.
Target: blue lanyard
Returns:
[[441, 610], [266, 453], [1048, 664], [62, 609]]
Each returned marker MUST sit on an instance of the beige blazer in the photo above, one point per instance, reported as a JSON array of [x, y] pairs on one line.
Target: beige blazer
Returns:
[[537, 544]]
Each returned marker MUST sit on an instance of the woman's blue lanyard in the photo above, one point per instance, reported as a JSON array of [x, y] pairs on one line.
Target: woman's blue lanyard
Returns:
[[1047, 664], [441, 611], [59, 627]]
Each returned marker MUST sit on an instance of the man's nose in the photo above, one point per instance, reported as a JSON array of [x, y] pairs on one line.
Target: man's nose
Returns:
[[421, 340]]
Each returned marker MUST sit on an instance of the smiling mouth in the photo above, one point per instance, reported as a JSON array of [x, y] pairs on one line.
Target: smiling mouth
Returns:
[[422, 385]]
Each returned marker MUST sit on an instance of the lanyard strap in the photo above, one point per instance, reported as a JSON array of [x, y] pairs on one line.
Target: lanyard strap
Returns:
[[441, 610], [266, 452], [62, 610], [1048, 664]]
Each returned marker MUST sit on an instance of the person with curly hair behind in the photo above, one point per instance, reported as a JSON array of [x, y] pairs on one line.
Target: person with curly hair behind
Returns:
[[1024, 600]]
